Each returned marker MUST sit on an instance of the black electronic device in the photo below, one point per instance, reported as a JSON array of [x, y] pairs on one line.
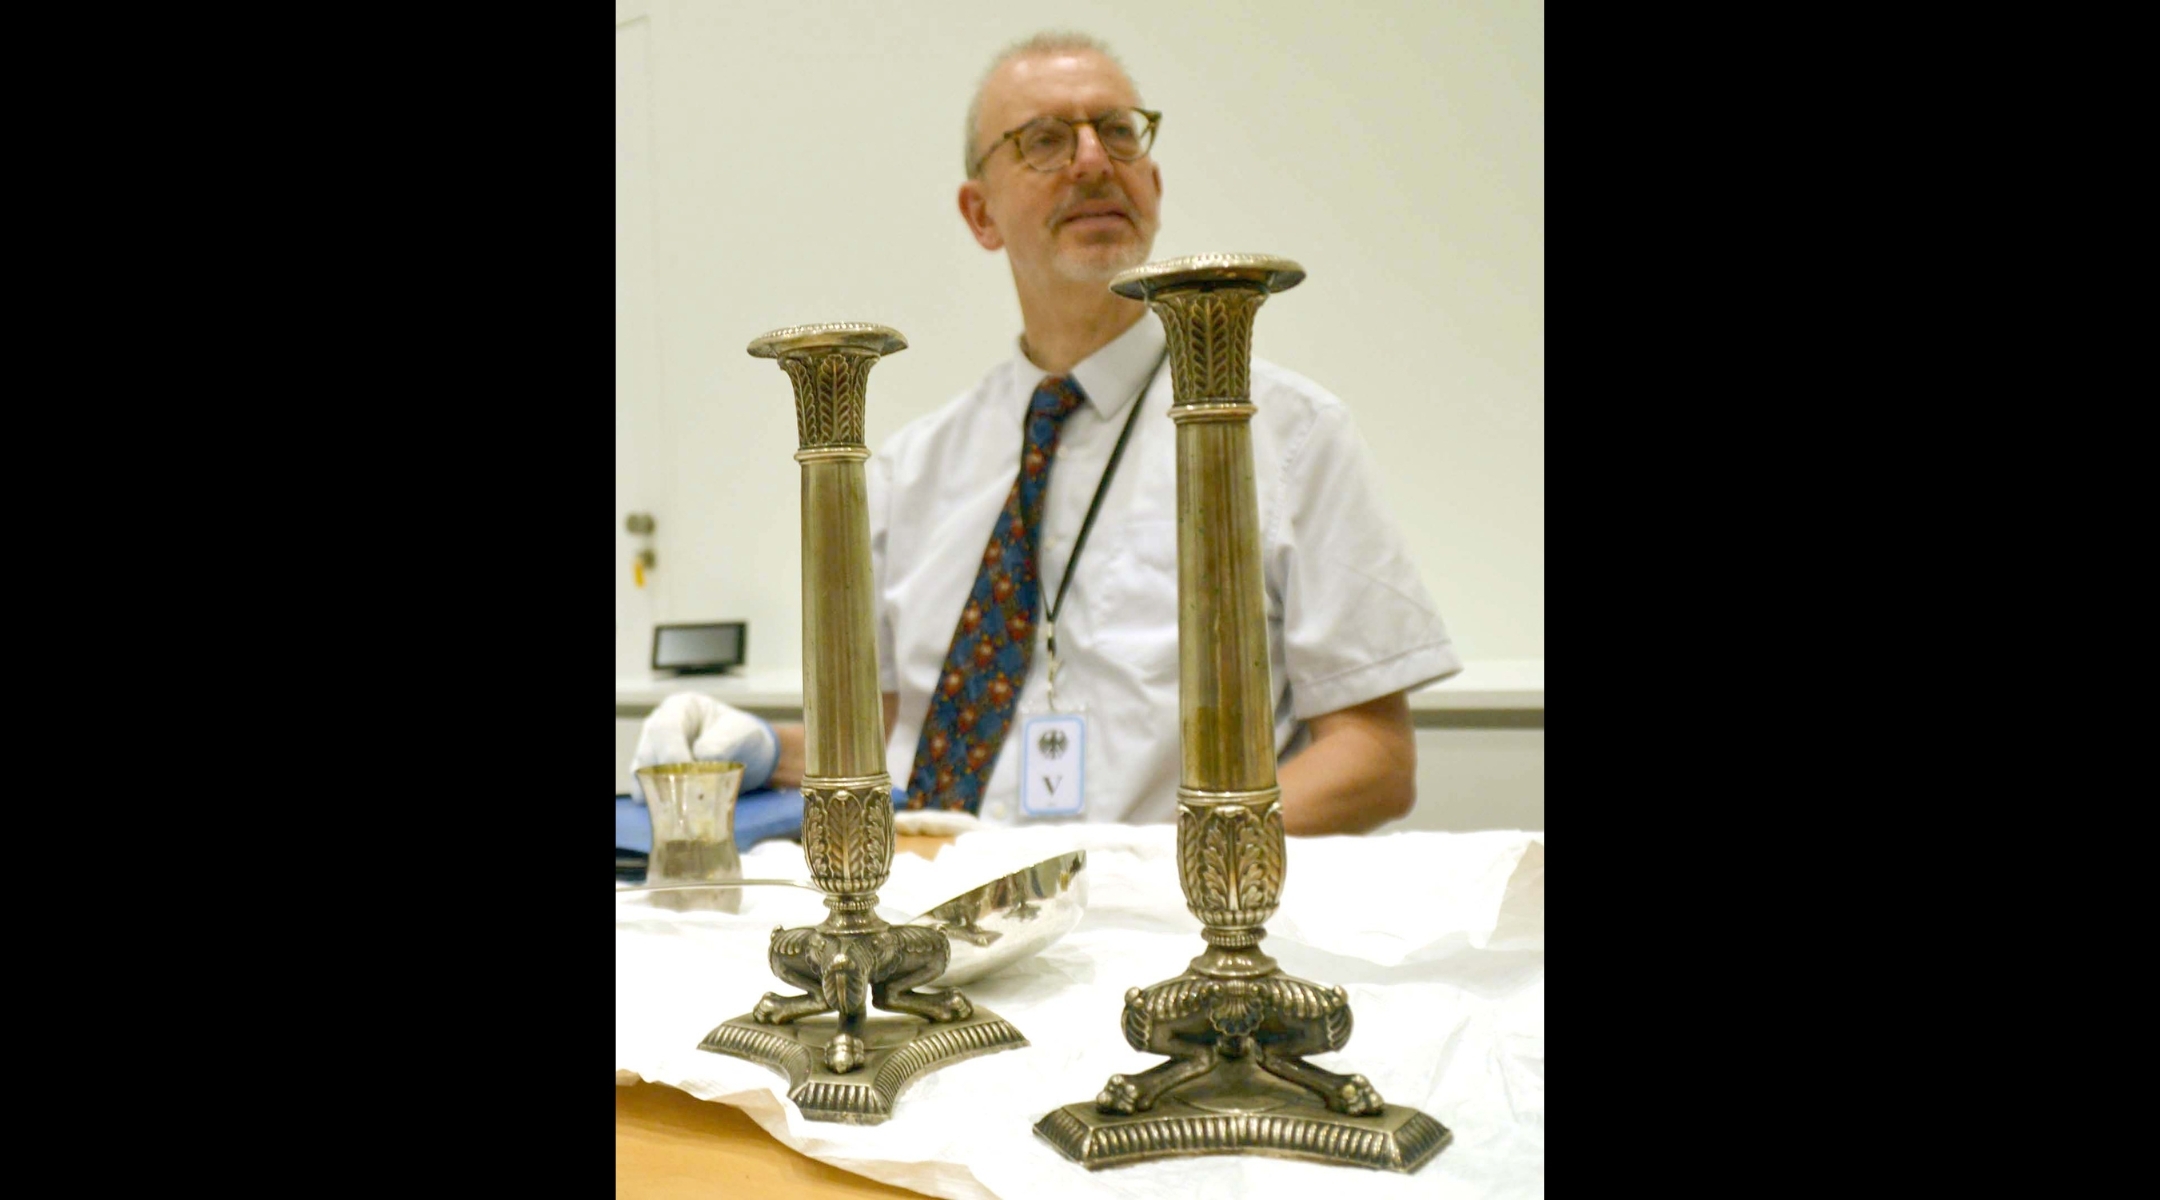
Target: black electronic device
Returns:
[[706, 649]]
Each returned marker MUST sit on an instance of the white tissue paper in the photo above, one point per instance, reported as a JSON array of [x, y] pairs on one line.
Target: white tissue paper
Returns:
[[934, 822], [1439, 938]]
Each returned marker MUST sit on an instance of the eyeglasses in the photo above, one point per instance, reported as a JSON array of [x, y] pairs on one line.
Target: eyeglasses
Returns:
[[1049, 143]]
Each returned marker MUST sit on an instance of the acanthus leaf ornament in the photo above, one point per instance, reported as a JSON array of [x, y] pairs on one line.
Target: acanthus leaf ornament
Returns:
[[1234, 1029], [842, 1063], [1260, 865]]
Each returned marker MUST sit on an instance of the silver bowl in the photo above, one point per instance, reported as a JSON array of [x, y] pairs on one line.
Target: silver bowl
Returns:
[[1010, 918]]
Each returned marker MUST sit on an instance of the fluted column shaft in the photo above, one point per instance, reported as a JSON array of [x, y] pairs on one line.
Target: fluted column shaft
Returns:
[[847, 793], [1230, 831]]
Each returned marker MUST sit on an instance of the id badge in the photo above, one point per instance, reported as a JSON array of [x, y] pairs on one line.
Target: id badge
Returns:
[[1053, 762]]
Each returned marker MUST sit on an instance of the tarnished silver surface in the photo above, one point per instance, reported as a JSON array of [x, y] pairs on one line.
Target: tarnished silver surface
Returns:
[[1264, 272], [799, 340], [1241, 1109], [853, 959], [987, 928], [895, 1051], [1236, 1031]]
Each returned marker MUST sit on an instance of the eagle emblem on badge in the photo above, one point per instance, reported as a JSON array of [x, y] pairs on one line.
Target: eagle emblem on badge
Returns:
[[1052, 743]]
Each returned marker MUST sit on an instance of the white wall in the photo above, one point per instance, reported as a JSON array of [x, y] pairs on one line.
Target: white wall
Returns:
[[798, 163]]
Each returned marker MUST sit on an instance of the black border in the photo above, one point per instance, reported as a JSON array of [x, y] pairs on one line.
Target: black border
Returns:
[[1711, 957]]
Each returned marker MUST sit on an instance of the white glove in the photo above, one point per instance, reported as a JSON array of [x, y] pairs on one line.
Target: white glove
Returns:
[[694, 727]]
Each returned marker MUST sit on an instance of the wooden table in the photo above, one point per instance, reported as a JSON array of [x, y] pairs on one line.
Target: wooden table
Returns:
[[670, 1143]]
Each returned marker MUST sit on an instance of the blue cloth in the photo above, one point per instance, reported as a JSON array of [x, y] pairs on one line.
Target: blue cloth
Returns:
[[759, 815]]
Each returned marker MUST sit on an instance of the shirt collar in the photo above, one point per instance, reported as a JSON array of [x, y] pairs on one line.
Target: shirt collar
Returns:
[[1111, 376]]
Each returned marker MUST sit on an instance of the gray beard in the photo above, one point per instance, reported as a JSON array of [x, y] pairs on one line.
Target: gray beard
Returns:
[[1100, 266]]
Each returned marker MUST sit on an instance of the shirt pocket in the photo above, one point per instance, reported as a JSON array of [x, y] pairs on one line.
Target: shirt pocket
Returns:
[[1135, 611]]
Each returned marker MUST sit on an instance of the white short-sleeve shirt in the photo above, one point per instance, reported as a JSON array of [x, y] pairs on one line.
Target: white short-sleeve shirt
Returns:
[[1348, 617]]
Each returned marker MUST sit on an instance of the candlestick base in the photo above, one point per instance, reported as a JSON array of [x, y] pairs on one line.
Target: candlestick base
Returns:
[[895, 1051], [1237, 1108], [1237, 1032]]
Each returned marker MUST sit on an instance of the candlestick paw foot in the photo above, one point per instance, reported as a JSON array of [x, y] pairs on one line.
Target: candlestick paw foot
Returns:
[[941, 1006], [844, 1053], [1350, 1095], [776, 1009], [1120, 1095], [1130, 1094]]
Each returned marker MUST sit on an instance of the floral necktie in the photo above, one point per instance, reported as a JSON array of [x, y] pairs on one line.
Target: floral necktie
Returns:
[[971, 708]]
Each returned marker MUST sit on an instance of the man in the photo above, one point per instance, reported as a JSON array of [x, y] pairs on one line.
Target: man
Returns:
[[1060, 178]]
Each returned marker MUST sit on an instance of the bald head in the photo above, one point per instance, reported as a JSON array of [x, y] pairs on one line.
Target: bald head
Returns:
[[1011, 66]]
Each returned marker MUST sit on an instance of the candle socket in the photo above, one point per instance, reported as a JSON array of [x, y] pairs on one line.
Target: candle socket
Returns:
[[843, 1064], [1235, 1029]]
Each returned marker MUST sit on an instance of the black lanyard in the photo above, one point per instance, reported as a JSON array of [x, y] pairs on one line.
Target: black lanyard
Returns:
[[1109, 469]]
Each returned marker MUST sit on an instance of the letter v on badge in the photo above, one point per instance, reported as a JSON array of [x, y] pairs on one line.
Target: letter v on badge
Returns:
[[1053, 763]]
